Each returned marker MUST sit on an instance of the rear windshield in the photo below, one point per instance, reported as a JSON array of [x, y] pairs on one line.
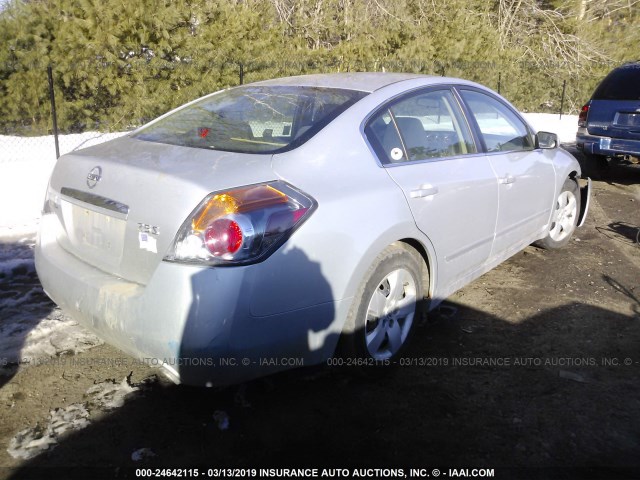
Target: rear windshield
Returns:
[[620, 84], [252, 119]]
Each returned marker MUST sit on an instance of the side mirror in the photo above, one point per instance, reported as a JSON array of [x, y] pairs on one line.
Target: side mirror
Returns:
[[546, 140]]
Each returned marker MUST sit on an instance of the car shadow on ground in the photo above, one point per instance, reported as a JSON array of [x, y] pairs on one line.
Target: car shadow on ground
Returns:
[[554, 396], [621, 174], [23, 303], [622, 232]]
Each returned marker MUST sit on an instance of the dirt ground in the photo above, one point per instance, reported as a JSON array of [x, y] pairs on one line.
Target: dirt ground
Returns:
[[532, 370]]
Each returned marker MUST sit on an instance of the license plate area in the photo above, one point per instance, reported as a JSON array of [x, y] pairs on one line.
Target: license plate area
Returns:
[[94, 234]]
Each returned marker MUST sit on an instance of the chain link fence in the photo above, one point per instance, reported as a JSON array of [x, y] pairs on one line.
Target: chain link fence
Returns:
[[141, 92]]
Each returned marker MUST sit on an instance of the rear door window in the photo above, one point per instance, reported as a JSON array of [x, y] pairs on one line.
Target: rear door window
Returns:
[[423, 126]]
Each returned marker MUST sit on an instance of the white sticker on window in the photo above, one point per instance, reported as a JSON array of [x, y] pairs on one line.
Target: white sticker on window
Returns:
[[396, 153]]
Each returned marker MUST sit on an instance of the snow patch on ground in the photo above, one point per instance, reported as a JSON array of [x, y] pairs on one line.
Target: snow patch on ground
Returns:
[[110, 395], [57, 335], [9, 265], [34, 340], [142, 454], [106, 396], [32, 441], [32, 328]]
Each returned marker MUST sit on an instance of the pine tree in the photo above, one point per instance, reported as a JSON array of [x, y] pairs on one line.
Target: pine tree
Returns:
[[119, 64]]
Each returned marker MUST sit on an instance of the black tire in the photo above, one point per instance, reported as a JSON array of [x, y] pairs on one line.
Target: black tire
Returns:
[[567, 205], [397, 266]]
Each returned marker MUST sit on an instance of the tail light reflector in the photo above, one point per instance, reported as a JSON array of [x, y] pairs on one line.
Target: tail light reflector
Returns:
[[223, 237], [241, 226], [582, 117]]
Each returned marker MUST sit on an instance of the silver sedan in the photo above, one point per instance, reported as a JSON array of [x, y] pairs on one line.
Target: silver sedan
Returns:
[[286, 222]]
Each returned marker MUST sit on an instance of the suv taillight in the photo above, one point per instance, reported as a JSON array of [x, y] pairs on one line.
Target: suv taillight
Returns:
[[240, 226], [582, 118]]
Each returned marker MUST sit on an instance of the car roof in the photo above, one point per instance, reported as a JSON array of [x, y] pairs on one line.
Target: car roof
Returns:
[[362, 81]]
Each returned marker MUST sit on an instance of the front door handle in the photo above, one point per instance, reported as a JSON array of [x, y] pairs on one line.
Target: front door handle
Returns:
[[424, 191], [507, 180]]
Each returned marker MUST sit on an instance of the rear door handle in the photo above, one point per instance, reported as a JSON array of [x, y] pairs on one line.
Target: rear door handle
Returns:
[[424, 191], [507, 179]]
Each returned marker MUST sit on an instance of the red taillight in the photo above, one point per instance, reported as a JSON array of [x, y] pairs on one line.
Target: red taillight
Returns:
[[242, 225], [223, 237], [582, 118]]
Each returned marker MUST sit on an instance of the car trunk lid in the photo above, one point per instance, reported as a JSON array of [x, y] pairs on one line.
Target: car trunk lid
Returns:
[[121, 203]]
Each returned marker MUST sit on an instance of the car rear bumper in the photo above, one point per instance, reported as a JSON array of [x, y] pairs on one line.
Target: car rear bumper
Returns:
[[194, 322], [606, 146]]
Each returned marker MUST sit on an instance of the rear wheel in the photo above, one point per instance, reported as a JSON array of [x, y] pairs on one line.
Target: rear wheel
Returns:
[[564, 218], [386, 307]]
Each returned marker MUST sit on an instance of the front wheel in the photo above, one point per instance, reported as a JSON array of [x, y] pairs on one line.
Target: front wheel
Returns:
[[564, 218], [386, 307]]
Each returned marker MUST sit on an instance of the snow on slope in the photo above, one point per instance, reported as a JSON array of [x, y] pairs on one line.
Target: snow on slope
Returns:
[[564, 127], [25, 167]]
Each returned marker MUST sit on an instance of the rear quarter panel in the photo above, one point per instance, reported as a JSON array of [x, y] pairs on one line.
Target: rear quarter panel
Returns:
[[360, 211]]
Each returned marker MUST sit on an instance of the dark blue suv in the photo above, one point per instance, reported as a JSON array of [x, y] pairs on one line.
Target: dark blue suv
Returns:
[[609, 124]]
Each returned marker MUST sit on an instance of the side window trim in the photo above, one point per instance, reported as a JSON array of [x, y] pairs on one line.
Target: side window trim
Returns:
[[383, 159], [476, 128], [471, 120], [405, 152]]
